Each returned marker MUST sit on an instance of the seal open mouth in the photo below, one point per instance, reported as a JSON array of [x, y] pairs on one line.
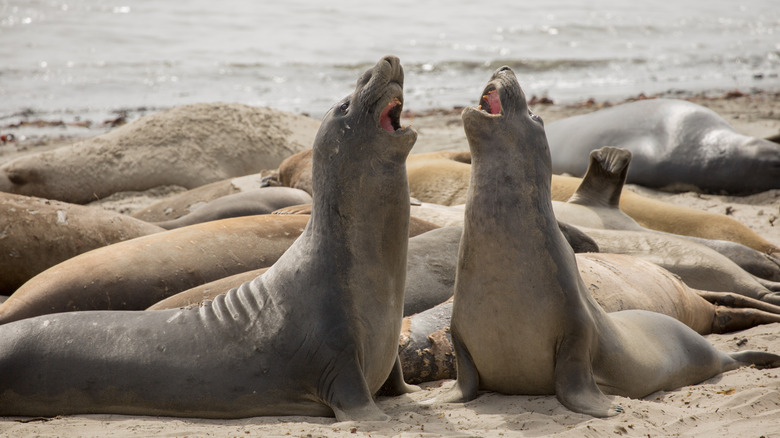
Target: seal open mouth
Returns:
[[390, 117], [490, 101]]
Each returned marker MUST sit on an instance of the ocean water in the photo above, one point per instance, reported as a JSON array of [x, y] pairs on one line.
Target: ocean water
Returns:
[[92, 58]]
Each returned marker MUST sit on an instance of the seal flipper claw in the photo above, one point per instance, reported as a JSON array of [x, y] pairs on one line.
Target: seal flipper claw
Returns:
[[604, 179]]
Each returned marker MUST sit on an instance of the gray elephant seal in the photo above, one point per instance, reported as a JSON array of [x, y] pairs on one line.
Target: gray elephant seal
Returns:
[[617, 282], [186, 146], [677, 146], [523, 321], [303, 339], [36, 234], [249, 203]]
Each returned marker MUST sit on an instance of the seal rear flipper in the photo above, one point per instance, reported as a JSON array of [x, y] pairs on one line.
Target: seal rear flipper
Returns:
[[467, 382], [575, 385], [604, 179], [294, 209], [759, 359]]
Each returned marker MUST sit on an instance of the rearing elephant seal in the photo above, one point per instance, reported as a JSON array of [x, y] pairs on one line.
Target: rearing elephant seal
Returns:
[[316, 335], [523, 321], [677, 145]]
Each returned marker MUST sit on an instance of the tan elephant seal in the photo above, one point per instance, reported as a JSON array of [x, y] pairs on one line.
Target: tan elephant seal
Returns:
[[187, 146], [134, 274], [317, 334], [675, 219], [595, 204], [523, 321], [36, 234]]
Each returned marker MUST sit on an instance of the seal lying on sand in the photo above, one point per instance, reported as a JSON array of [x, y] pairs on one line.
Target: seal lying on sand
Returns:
[[426, 186], [249, 203], [186, 146], [677, 146], [523, 321], [137, 273], [36, 234], [430, 271], [178, 205], [303, 339], [595, 204]]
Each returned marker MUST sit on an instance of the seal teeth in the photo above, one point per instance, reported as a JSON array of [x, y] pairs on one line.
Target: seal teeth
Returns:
[[390, 117], [490, 102]]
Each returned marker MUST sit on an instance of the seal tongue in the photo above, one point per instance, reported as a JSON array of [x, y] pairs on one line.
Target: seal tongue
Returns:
[[385, 121], [493, 101]]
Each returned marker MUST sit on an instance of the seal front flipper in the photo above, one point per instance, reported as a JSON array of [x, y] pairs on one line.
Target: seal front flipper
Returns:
[[575, 385], [395, 384], [467, 383], [349, 396]]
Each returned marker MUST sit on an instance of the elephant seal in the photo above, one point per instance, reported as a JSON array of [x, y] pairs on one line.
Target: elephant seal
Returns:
[[134, 274], [185, 202], [523, 321], [253, 202], [677, 146], [595, 204], [188, 146], [36, 234], [617, 282], [302, 339]]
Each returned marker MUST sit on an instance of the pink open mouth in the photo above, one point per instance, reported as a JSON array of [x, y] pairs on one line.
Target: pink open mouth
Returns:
[[390, 117], [491, 102]]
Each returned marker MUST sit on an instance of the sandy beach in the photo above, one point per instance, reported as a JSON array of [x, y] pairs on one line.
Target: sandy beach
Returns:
[[740, 403]]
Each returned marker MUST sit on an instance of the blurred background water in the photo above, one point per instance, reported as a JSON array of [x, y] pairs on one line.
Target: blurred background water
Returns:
[[92, 58]]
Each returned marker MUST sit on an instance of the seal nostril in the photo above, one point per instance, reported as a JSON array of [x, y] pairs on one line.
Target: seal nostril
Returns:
[[504, 68]]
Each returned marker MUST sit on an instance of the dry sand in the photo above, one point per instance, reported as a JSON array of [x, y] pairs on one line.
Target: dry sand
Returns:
[[740, 403]]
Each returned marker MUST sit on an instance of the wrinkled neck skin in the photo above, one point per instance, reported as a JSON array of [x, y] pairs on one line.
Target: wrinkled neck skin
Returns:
[[361, 219]]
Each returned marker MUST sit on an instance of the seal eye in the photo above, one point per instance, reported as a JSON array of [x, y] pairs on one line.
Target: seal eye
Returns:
[[344, 106], [535, 117]]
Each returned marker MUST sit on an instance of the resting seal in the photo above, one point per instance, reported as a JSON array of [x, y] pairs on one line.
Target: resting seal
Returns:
[[303, 339], [186, 146], [134, 274], [36, 234], [677, 146], [595, 204], [523, 321], [249, 203], [183, 203]]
